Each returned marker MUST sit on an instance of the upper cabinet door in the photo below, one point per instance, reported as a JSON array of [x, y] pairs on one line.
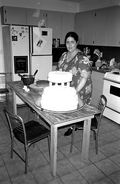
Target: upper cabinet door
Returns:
[[79, 26], [113, 27], [100, 26], [89, 27], [67, 24], [14, 15], [54, 22], [34, 16]]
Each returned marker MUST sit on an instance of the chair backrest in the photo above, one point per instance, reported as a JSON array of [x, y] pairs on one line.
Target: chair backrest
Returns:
[[102, 103], [101, 107], [15, 124], [3, 80]]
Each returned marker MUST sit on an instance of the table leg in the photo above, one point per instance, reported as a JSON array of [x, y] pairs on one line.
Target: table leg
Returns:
[[53, 150], [14, 103], [86, 139]]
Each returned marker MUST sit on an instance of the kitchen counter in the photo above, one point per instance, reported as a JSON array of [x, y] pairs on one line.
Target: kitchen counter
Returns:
[[100, 70], [93, 68], [97, 81]]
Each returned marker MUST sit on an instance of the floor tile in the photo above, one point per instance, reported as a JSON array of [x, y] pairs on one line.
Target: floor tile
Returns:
[[62, 141], [108, 137], [116, 144], [116, 133], [4, 176], [91, 173], [25, 178], [74, 178], [104, 181], [66, 150], [77, 162], [116, 159], [64, 167], [42, 174], [107, 166], [55, 181], [37, 160], [96, 157], [108, 150], [110, 126], [115, 177]]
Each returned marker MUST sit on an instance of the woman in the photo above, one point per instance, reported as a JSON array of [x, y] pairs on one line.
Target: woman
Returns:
[[74, 61]]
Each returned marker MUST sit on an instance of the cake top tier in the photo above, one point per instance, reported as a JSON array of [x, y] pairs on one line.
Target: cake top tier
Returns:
[[59, 77]]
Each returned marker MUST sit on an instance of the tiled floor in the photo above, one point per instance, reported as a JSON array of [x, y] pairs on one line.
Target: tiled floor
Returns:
[[103, 168]]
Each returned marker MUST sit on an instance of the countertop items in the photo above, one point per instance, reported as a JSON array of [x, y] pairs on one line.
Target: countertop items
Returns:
[[101, 70]]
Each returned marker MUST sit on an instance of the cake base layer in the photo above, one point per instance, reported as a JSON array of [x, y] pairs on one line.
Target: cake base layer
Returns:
[[58, 98]]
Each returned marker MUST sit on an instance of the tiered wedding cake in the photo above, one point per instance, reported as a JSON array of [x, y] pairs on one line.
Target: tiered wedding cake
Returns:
[[59, 96]]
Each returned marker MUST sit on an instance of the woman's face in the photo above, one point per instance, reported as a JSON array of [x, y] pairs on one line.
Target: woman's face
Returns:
[[71, 44]]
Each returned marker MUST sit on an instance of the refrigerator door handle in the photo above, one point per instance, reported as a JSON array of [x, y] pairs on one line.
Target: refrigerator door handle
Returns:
[[31, 40]]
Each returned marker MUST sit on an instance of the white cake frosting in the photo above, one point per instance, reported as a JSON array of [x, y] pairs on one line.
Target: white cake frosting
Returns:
[[59, 77], [59, 96]]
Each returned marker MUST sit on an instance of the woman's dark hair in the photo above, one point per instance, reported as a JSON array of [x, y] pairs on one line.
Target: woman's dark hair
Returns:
[[73, 35]]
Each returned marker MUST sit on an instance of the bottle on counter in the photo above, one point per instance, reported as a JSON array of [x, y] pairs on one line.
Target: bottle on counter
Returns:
[[98, 64]]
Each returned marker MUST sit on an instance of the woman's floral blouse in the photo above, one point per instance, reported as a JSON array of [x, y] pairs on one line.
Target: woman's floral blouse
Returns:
[[76, 66]]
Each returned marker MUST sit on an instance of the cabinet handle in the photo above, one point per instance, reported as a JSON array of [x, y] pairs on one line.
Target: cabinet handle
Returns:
[[93, 42]]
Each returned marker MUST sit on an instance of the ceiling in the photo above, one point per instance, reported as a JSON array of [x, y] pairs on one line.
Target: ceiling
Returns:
[[77, 1]]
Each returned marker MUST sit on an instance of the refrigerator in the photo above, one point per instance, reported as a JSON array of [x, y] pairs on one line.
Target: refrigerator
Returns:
[[27, 49], [41, 51]]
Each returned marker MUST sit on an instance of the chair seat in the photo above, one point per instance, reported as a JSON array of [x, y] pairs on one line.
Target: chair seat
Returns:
[[4, 90], [94, 123], [34, 131]]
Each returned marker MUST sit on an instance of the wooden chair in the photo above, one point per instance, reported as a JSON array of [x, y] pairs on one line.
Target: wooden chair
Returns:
[[95, 123], [28, 134], [3, 86]]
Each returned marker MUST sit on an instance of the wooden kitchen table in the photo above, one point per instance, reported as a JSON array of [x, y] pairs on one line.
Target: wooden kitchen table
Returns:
[[56, 120]]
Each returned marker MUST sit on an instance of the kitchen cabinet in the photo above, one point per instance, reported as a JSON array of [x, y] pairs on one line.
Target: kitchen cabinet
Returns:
[[101, 17], [14, 15], [34, 16], [113, 27], [97, 81], [67, 24], [61, 23], [54, 22], [89, 27], [79, 26]]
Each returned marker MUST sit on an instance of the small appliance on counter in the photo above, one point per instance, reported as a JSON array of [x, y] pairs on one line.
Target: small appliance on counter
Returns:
[[56, 42]]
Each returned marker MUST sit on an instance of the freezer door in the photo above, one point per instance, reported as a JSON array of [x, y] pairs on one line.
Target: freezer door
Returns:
[[43, 64], [41, 41]]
